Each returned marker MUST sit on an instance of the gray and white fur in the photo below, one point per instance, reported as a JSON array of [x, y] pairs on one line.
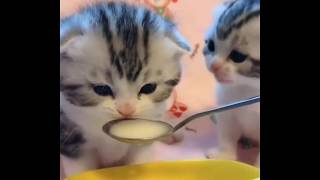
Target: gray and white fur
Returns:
[[116, 60], [232, 54]]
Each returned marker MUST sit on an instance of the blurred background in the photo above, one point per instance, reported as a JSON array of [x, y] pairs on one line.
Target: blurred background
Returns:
[[197, 87]]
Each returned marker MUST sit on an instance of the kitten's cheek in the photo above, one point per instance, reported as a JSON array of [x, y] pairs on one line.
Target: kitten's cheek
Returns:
[[108, 104], [224, 74]]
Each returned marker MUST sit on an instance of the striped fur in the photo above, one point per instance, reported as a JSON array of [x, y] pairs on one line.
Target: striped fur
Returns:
[[127, 31], [127, 21], [232, 54], [71, 137], [236, 27], [235, 15]]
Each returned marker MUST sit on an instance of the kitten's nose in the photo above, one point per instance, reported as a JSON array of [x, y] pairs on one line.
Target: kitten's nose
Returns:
[[216, 67], [126, 110]]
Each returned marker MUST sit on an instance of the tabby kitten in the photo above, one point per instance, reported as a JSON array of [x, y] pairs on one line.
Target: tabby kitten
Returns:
[[116, 61], [232, 54]]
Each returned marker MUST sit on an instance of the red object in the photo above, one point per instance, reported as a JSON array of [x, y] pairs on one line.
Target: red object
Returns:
[[174, 1], [173, 108], [183, 107], [177, 108], [177, 114]]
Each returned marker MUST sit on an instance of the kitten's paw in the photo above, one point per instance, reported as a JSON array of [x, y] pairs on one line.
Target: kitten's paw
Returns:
[[216, 154]]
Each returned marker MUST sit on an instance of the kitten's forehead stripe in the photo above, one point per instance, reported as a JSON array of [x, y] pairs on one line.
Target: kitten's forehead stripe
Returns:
[[146, 76], [118, 66], [121, 21], [127, 27], [104, 21], [137, 72], [127, 61], [112, 7], [146, 23], [109, 37], [229, 20], [109, 77]]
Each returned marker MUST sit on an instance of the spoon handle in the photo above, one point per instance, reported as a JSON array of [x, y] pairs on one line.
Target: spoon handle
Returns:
[[234, 105]]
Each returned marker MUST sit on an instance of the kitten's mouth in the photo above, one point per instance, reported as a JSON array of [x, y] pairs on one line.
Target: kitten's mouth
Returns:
[[223, 79], [221, 76]]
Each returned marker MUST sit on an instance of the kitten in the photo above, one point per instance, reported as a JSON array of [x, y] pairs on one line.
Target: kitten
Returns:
[[116, 61], [232, 54]]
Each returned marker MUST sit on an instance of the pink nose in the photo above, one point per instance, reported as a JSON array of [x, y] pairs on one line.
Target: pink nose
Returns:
[[216, 67], [126, 110]]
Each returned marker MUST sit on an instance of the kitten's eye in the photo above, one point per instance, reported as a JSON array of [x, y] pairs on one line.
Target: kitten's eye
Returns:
[[237, 56], [210, 45], [148, 88], [103, 90]]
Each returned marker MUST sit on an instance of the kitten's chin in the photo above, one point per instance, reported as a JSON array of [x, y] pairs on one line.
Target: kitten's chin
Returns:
[[224, 79], [249, 81], [237, 79]]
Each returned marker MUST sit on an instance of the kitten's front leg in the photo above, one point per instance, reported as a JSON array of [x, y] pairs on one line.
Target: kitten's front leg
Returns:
[[87, 161], [228, 136]]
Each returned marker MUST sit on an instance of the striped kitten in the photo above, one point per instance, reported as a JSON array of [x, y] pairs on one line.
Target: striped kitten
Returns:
[[232, 53], [116, 61]]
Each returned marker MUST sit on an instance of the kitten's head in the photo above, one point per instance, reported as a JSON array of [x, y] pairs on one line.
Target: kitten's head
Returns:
[[232, 44], [120, 60]]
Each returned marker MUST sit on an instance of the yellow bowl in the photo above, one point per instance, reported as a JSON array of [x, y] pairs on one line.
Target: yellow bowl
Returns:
[[186, 170]]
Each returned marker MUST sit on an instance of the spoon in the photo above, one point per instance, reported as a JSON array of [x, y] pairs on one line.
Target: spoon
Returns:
[[114, 129]]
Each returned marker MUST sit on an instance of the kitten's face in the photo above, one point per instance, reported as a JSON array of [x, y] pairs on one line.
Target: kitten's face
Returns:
[[229, 61], [235, 55], [132, 88]]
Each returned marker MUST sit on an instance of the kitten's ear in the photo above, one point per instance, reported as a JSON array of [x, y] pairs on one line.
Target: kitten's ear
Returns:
[[69, 28], [178, 39], [66, 47], [69, 33], [66, 36]]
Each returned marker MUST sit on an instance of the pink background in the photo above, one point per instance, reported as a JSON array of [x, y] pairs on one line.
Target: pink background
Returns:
[[197, 88]]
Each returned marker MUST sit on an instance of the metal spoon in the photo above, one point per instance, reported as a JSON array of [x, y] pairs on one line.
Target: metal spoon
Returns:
[[170, 129]]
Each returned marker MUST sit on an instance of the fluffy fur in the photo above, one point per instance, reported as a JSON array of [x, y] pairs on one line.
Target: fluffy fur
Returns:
[[232, 54], [122, 48]]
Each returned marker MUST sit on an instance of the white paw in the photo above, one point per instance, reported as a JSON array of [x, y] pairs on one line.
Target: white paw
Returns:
[[216, 154]]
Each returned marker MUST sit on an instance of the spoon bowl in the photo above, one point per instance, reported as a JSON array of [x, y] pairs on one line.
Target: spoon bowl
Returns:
[[110, 129]]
